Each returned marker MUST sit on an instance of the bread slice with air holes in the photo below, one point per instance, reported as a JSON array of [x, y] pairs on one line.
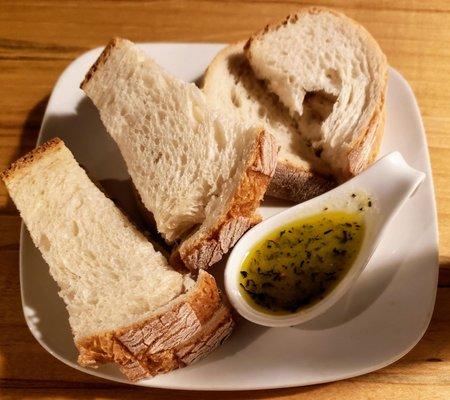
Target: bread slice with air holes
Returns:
[[323, 57], [126, 304], [231, 86], [199, 174]]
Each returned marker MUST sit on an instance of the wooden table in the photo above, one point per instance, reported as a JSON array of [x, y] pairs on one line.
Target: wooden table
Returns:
[[39, 39]]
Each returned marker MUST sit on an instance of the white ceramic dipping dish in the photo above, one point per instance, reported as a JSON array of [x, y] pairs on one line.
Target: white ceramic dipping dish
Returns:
[[388, 184]]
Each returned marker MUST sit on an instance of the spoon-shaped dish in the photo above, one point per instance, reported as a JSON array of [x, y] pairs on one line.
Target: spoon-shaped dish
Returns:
[[388, 184]]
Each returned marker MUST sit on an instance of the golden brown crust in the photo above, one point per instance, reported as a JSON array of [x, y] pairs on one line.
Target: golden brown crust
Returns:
[[208, 299], [31, 157], [215, 333], [240, 216], [101, 60], [378, 136], [371, 139], [213, 336], [294, 184], [151, 347]]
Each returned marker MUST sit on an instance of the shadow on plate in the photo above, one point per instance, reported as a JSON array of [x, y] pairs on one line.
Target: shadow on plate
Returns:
[[28, 137], [86, 137]]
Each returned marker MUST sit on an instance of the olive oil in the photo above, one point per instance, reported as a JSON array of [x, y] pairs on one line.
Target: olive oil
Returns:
[[297, 265]]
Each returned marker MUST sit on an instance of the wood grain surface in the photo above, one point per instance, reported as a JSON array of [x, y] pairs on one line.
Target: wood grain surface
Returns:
[[38, 39]]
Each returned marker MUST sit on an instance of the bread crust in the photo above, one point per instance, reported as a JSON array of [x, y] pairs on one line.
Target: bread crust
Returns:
[[187, 353], [364, 149], [168, 340], [101, 60], [370, 141], [203, 251], [290, 182], [31, 157]]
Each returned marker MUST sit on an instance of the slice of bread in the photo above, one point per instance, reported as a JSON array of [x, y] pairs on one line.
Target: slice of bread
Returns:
[[229, 215], [125, 303], [231, 86], [191, 167], [317, 61]]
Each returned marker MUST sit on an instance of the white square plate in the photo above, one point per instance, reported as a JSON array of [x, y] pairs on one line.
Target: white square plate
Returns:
[[376, 323]]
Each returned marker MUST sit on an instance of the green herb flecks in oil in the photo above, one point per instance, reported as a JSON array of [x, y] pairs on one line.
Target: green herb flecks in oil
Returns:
[[300, 263]]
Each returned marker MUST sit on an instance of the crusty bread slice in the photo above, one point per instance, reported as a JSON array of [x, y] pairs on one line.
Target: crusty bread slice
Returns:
[[229, 215], [232, 212], [231, 86], [186, 161], [317, 60], [125, 303]]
